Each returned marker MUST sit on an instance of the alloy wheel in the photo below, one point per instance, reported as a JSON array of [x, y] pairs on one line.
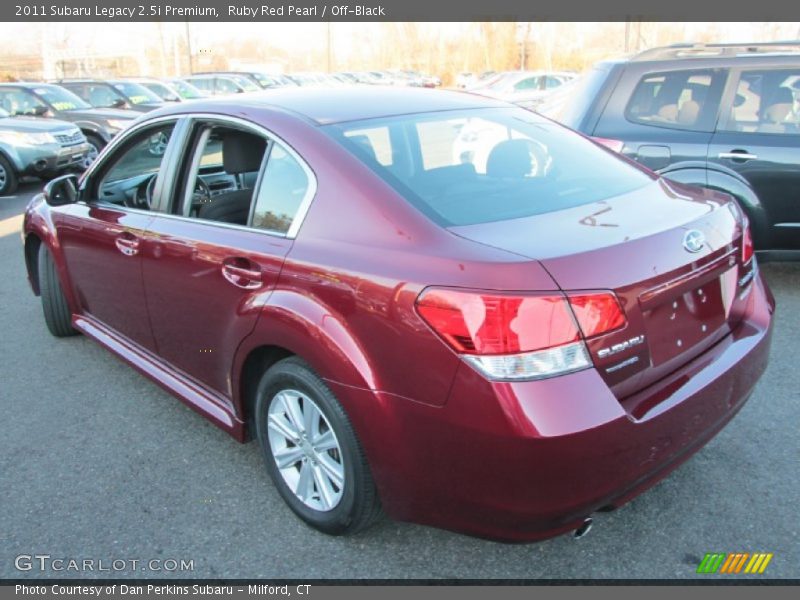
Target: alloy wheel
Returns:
[[306, 450], [3, 177]]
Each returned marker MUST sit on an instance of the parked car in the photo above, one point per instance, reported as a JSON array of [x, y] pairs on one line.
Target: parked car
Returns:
[[526, 88], [260, 79], [185, 89], [168, 91], [315, 79], [113, 93], [501, 351], [222, 85], [37, 147], [722, 116], [43, 100]]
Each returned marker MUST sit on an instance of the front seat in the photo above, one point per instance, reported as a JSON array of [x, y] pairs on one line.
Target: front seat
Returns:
[[241, 153]]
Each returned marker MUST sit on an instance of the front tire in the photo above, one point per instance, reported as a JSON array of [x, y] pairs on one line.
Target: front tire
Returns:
[[95, 145], [311, 451], [57, 315]]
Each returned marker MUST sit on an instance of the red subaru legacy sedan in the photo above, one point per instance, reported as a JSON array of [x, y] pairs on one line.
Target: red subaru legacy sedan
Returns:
[[425, 303]]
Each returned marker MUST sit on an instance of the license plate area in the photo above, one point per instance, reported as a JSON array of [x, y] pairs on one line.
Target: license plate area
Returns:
[[678, 322]]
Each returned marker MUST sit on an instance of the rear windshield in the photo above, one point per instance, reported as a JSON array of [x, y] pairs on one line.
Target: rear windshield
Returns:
[[479, 166]]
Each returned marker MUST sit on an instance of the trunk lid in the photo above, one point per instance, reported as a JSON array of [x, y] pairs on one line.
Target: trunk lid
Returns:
[[678, 302]]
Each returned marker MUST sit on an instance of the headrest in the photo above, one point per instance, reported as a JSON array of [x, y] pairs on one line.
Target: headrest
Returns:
[[668, 112], [510, 158], [242, 152]]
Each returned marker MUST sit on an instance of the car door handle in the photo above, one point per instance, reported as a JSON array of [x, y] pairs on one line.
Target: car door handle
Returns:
[[127, 244], [737, 155], [248, 278]]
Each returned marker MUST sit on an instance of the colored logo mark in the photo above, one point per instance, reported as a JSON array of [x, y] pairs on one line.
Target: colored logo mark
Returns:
[[734, 563]]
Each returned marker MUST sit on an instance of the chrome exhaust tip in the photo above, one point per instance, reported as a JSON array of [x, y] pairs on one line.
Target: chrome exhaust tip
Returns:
[[585, 528]]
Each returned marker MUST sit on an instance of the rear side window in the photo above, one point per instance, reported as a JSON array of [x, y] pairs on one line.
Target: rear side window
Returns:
[[283, 188], [766, 102], [677, 99], [479, 166]]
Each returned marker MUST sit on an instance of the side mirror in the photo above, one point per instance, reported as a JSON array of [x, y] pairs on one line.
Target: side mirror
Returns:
[[119, 103], [61, 190], [40, 111]]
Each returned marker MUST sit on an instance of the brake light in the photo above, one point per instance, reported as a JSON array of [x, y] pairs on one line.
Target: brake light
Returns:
[[597, 313], [509, 336], [615, 145], [747, 245]]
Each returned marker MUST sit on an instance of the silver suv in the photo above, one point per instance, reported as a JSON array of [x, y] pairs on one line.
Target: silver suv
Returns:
[[38, 147]]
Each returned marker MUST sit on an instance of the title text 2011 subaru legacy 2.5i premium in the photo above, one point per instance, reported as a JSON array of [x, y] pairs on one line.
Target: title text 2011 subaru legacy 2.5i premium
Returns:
[[499, 349]]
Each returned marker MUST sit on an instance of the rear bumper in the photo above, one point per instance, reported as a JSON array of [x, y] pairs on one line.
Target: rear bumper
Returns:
[[526, 461]]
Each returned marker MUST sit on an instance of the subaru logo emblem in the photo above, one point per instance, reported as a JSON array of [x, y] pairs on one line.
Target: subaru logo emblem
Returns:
[[694, 240]]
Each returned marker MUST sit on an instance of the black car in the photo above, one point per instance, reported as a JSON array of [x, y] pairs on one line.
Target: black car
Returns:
[[46, 100], [114, 93], [722, 116]]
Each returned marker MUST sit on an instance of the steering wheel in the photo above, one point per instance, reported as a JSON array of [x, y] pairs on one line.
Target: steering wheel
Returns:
[[146, 201], [201, 193]]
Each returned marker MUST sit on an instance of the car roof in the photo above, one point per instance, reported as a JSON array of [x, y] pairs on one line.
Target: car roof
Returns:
[[337, 105], [29, 84], [711, 52]]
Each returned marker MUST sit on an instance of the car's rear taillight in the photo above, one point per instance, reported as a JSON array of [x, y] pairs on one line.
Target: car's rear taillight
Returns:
[[597, 313], [615, 145], [747, 245], [510, 336]]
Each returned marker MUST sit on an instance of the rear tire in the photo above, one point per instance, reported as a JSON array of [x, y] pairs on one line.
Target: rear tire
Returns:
[[333, 505], [8, 177], [57, 315]]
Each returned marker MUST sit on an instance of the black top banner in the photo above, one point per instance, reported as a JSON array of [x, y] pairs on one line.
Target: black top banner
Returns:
[[399, 10]]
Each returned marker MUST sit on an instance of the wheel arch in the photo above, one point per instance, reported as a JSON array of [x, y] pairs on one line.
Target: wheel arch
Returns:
[[292, 324], [32, 244]]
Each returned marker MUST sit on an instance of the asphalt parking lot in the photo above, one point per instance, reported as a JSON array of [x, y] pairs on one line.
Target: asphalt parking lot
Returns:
[[97, 462]]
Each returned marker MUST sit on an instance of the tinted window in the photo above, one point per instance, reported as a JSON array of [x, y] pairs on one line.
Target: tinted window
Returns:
[[59, 98], [677, 99], [240, 177], [487, 165], [281, 193], [20, 102], [766, 102], [101, 95], [136, 93]]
